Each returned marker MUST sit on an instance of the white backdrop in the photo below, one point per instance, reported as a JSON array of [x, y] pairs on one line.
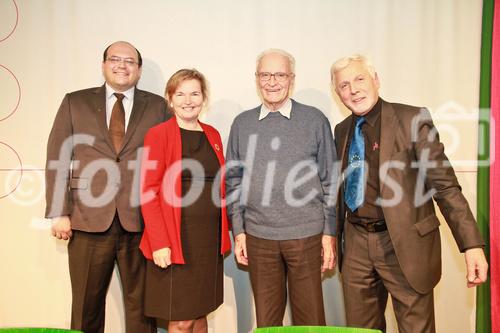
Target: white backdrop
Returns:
[[426, 53]]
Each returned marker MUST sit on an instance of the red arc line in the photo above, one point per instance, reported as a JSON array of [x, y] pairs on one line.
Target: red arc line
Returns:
[[15, 25], [21, 169], [18, 93]]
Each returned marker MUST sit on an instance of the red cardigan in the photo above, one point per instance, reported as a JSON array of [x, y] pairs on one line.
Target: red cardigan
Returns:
[[161, 189]]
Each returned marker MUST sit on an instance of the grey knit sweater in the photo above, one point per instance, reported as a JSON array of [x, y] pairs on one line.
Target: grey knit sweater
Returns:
[[280, 175]]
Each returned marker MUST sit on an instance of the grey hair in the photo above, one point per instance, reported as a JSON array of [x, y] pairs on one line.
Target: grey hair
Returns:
[[288, 56], [345, 61]]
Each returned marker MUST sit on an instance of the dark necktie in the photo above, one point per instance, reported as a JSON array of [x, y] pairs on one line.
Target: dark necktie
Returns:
[[355, 183], [117, 123]]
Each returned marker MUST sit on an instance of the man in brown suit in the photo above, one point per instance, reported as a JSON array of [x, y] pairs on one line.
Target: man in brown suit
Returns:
[[92, 187], [388, 231]]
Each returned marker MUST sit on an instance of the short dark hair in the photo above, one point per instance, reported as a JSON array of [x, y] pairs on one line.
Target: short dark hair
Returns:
[[139, 57]]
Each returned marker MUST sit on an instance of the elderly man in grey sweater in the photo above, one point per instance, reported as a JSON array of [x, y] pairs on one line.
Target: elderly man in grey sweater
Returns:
[[281, 182]]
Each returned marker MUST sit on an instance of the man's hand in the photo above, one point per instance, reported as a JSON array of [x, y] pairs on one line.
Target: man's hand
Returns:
[[161, 257], [328, 252], [240, 249], [477, 267], [61, 227]]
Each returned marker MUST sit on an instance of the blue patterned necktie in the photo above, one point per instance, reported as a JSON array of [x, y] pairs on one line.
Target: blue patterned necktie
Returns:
[[355, 184]]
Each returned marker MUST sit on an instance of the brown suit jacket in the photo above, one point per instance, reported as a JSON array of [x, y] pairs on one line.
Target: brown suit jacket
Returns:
[[80, 174], [406, 136]]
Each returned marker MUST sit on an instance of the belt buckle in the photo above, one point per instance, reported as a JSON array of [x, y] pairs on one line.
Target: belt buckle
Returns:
[[370, 227]]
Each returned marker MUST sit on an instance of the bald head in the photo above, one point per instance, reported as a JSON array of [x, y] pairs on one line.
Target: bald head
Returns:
[[121, 42]]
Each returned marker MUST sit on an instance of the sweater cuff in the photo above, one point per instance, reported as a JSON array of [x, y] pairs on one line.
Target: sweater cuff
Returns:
[[237, 223], [330, 227]]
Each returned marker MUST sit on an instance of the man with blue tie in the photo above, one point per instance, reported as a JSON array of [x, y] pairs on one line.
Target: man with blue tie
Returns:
[[388, 233]]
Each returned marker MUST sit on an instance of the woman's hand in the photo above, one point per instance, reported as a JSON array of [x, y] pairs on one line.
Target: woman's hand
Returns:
[[161, 257]]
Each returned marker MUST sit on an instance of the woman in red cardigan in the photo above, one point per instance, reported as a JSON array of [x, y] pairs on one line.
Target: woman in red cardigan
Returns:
[[183, 204]]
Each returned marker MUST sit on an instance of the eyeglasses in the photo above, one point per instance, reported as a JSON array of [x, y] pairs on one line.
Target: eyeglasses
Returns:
[[126, 61], [278, 76]]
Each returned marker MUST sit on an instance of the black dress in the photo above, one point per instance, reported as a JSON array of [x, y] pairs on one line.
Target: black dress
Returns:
[[192, 290]]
